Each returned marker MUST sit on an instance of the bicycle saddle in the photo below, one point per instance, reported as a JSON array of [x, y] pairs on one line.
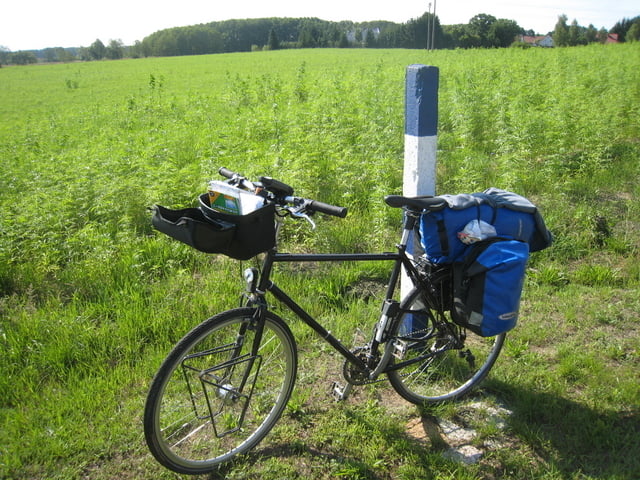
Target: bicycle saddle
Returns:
[[425, 202]]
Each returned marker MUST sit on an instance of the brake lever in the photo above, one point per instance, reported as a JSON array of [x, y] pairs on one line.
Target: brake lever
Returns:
[[299, 211], [299, 214]]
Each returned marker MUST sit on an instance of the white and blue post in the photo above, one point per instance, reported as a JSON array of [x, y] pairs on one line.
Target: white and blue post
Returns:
[[420, 140], [420, 131]]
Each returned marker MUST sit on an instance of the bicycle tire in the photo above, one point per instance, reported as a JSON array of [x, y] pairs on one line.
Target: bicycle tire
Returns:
[[212, 399], [446, 372]]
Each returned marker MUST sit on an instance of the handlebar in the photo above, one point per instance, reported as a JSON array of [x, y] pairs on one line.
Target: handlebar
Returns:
[[308, 205], [237, 178], [225, 172], [321, 207], [282, 194]]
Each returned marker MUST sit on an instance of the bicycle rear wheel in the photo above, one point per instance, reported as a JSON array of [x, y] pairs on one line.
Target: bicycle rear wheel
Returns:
[[213, 398], [447, 364]]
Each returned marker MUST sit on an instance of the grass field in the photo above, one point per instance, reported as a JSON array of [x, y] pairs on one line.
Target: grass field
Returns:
[[92, 299]]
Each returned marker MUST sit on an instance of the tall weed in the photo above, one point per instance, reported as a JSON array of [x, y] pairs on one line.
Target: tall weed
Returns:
[[91, 297]]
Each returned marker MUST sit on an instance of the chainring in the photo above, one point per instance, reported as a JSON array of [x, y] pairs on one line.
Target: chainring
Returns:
[[353, 374]]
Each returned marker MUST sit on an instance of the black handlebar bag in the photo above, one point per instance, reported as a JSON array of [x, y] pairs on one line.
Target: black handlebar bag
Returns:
[[210, 231], [254, 232]]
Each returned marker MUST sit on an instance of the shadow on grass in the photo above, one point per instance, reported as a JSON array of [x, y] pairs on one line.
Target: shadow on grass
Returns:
[[573, 437], [302, 458], [310, 455]]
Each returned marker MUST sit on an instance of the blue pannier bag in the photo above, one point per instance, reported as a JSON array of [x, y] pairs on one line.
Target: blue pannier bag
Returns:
[[487, 285], [512, 215]]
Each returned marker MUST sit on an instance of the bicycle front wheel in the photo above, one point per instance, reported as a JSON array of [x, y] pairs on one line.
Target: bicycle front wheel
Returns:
[[220, 390], [447, 365]]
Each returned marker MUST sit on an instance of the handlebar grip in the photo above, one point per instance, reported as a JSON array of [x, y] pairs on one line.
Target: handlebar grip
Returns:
[[225, 172], [328, 209]]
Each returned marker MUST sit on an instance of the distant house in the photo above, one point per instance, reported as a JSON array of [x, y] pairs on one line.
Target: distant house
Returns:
[[537, 40], [612, 38]]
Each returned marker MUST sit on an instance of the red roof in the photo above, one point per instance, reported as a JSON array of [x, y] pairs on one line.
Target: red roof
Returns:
[[532, 39], [612, 38]]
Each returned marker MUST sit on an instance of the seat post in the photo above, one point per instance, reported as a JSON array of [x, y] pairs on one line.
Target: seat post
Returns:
[[410, 219]]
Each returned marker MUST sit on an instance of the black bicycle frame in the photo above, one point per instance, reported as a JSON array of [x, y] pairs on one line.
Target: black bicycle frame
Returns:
[[400, 258]]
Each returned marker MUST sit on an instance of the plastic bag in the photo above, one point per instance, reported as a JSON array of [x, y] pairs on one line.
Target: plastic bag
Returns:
[[476, 230]]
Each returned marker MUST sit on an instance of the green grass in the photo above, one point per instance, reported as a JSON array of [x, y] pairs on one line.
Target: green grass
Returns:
[[91, 298]]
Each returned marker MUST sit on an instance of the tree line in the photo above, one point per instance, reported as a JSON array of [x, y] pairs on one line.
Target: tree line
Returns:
[[482, 31], [278, 33], [114, 50], [565, 35]]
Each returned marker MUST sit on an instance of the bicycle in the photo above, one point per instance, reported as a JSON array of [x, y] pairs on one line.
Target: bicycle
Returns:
[[226, 383]]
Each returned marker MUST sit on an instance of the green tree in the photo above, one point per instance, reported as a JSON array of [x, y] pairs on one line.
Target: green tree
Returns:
[[453, 34], [97, 50], [50, 55], [633, 34], [274, 42], [414, 33], [503, 32], [344, 41], [115, 50], [137, 50], [369, 39], [591, 34], [64, 55], [83, 53], [561, 32], [602, 35], [480, 27], [306, 38], [58, 54], [4, 55], [576, 36], [335, 35], [22, 58], [621, 28], [357, 36]]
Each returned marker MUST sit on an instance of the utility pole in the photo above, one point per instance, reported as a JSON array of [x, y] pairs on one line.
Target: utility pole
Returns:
[[428, 25], [433, 29]]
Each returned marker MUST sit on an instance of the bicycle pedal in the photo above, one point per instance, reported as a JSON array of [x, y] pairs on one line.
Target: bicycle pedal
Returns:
[[340, 392], [400, 348]]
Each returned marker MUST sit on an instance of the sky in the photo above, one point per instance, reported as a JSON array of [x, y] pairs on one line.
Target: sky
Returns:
[[37, 24]]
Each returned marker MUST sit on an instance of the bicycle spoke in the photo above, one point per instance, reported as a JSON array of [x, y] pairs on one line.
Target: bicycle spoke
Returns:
[[209, 403], [441, 367]]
